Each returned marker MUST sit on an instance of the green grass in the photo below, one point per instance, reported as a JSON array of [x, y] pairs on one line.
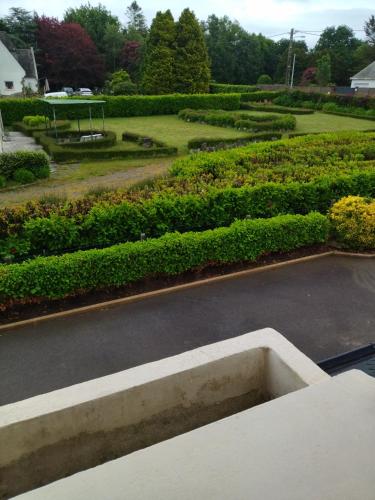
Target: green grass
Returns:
[[169, 129], [75, 179]]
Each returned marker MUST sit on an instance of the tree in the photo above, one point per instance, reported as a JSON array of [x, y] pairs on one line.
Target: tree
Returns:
[[237, 56], [370, 30], [158, 68], [20, 24], [136, 26], [309, 76], [114, 41], [131, 58], [120, 84], [192, 73], [303, 59], [323, 70], [264, 80], [67, 55], [100, 25], [341, 44]]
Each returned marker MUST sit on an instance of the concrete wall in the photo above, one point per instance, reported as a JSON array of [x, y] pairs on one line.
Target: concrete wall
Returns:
[[53, 435], [10, 71]]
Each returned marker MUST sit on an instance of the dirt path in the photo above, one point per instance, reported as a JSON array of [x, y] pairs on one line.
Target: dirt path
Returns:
[[59, 185]]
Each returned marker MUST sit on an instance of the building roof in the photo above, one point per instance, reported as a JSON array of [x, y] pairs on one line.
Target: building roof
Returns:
[[25, 57], [368, 73]]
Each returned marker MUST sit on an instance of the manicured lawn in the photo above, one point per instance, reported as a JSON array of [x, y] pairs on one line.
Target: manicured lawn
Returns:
[[320, 122], [169, 129], [75, 179]]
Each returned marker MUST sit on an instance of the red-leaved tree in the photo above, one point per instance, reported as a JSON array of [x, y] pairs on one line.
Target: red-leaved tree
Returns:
[[67, 56], [308, 76], [131, 56]]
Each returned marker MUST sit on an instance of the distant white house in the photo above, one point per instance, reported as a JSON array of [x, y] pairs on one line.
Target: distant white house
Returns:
[[17, 68], [365, 79]]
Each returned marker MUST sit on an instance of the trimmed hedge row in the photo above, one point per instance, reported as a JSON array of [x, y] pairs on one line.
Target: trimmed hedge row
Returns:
[[209, 143], [261, 95], [302, 99], [35, 162], [28, 130], [271, 108], [54, 277], [107, 224], [228, 88], [13, 110], [108, 140], [242, 121], [64, 152]]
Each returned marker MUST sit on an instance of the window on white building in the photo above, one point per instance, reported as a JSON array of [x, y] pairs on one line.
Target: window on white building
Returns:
[[9, 85]]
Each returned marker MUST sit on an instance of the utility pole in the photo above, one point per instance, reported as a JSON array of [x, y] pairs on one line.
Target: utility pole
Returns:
[[289, 59], [294, 65]]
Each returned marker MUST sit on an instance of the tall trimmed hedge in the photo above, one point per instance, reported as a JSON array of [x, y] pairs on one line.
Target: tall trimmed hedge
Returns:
[[54, 277], [13, 110], [107, 224], [229, 88]]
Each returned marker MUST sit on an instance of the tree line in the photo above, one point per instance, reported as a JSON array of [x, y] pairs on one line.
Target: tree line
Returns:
[[92, 47]]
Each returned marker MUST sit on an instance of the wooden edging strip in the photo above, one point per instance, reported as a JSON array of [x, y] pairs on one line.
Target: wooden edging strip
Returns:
[[184, 286]]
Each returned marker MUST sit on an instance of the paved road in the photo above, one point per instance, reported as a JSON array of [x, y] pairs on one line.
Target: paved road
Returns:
[[324, 307]]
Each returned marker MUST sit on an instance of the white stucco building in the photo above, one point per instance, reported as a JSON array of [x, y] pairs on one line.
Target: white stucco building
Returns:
[[17, 68], [365, 79]]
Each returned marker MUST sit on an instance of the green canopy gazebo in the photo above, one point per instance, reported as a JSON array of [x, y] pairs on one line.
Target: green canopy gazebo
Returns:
[[55, 104]]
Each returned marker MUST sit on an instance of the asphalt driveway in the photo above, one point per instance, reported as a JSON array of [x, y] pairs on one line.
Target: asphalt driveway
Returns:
[[324, 307]]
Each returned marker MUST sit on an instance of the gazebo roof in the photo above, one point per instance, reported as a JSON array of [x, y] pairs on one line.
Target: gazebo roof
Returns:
[[59, 102]]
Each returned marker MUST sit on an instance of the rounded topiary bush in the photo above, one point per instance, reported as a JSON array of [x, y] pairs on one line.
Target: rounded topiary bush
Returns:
[[264, 80], [353, 222], [23, 176]]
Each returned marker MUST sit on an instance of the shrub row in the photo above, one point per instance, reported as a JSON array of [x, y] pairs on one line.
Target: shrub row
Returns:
[[261, 95], [36, 162], [302, 159], [13, 110], [334, 109], [107, 224], [242, 121], [53, 277], [67, 152], [353, 222], [73, 137], [297, 98], [308, 152], [212, 144], [29, 130], [272, 108], [228, 88]]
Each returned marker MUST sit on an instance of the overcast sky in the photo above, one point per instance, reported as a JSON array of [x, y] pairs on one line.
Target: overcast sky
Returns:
[[269, 17]]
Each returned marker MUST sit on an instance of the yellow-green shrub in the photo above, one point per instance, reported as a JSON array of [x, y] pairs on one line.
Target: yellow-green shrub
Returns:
[[353, 222]]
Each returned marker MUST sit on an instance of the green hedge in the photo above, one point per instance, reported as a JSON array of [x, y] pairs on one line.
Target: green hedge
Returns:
[[27, 130], [35, 162], [107, 224], [261, 95], [54, 277], [65, 153], [242, 121], [296, 98], [205, 143], [228, 88], [13, 110], [108, 140], [271, 108]]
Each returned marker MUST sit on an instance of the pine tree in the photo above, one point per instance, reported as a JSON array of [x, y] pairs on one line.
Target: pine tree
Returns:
[[158, 67], [192, 74]]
